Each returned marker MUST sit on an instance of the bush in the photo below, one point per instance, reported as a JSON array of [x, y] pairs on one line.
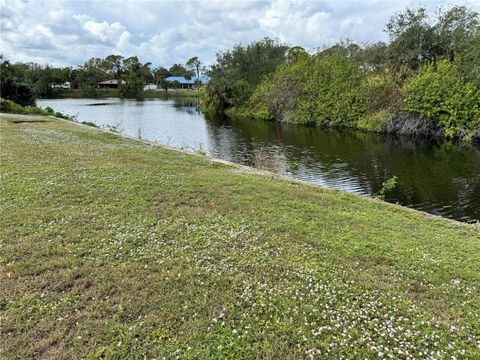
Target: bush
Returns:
[[19, 93], [378, 121], [278, 94], [9, 106], [439, 93], [381, 92], [90, 92], [323, 92]]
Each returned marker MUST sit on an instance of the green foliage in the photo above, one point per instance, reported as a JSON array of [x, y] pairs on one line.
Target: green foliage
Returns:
[[12, 84], [382, 98], [438, 93], [238, 71], [194, 65], [277, 94], [9, 106], [90, 91], [362, 86], [18, 92], [179, 70], [416, 39], [113, 66], [376, 122], [135, 75], [381, 91], [468, 60], [411, 39], [387, 186], [324, 92]]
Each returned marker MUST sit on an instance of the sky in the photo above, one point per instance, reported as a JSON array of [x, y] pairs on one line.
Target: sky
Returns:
[[66, 33]]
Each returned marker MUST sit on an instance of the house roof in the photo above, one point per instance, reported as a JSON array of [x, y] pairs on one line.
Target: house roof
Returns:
[[182, 80]]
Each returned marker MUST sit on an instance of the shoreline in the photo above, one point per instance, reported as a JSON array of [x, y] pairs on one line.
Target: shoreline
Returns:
[[266, 173]]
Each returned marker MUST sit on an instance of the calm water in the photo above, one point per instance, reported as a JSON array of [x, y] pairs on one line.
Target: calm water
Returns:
[[442, 179]]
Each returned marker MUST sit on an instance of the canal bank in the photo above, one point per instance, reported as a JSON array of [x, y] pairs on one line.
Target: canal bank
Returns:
[[440, 178], [142, 250]]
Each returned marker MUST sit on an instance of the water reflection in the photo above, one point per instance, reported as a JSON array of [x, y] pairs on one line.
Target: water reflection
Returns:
[[442, 179]]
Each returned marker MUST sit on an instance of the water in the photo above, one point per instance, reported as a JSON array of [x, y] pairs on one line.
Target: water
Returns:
[[443, 179]]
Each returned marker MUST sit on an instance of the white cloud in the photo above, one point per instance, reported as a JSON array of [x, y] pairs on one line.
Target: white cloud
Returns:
[[164, 32]]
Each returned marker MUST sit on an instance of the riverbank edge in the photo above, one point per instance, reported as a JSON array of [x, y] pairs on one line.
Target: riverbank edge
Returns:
[[425, 133], [251, 170], [114, 93]]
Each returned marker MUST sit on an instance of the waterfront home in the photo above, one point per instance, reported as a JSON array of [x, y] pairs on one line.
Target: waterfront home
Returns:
[[191, 83]]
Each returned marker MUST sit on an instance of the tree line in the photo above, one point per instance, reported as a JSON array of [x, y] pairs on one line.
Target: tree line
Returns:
[[425, 80], [23, 82]]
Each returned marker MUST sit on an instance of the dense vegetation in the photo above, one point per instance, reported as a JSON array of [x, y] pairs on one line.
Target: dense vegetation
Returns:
[[23, 82], [237, 72], [116, 249], [425, 80], [8, 106]]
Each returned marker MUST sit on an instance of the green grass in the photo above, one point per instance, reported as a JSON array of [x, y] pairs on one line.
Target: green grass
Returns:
[[112, 248]]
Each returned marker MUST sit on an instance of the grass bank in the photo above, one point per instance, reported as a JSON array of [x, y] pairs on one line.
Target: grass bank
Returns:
[[113, 248]]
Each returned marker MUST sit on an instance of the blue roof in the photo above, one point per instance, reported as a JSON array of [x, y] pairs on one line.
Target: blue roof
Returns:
[[182, 80]]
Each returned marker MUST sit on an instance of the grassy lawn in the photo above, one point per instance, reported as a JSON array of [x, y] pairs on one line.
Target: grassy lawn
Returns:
[[112, 248]]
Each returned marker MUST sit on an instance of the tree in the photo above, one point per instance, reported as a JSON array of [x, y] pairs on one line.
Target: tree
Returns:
[[237, 72], [159, 75], [12, 83], [194, 64], [178, 70], [416, 40], [164, 84], [135, 75], [412, 39], [113, 65], [374, 56], [455, 29], [296, 53], [346, 48]]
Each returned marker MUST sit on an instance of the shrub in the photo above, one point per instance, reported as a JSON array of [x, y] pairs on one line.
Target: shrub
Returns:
[[378, 121], [19, 93], [9, 106], [439, 93], [324, 92], [278, 93], [387, 186], [381, 92], [90, 92]]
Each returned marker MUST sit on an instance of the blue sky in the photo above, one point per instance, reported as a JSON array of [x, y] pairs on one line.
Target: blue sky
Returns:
[[164, 32]]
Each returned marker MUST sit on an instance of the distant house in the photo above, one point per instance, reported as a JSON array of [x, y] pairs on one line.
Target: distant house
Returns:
[[188, 83], [109, 84], [150, 87], [65, 85]]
